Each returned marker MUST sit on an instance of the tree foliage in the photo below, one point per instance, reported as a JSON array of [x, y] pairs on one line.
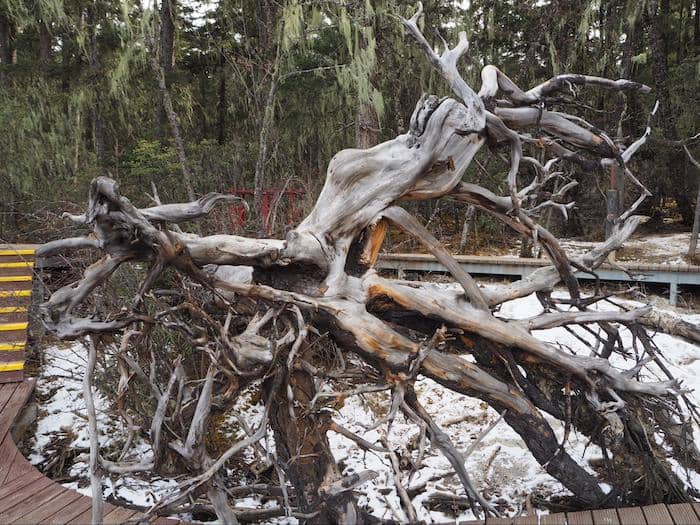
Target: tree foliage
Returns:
[[329, 59]]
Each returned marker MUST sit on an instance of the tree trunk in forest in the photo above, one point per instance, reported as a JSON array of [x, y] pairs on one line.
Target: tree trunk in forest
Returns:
[[173, 122], [263, 144], [269, 72], [467, 226], [66, 60], [167, 57], [696, 25], [367, 120], [222, 103], [167, 36], [8, 53], [304, 452], [630, 121], [95, 109], [5, 46], [367, 126], [692, 250], [658, 45], [526, 247], [45, 43]]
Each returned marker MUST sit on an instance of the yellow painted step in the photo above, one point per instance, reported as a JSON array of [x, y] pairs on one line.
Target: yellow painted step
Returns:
[[10, 327], [16, 293], [12, 367], [13, 253], [15, 278], [12, 347], [12, 265], [12, 309]]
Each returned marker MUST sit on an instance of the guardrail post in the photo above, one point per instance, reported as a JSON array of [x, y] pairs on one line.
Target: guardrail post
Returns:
[[673, 293]]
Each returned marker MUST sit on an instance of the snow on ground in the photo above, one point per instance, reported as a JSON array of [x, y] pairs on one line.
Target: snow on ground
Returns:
[[659, 248], [664, 248], [500, 465], [63, 415]]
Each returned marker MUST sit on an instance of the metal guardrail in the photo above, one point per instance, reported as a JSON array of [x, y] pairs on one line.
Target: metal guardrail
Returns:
[[673, 275]]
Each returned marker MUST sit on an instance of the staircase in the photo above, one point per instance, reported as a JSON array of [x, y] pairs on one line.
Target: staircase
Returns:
[[16, 268]]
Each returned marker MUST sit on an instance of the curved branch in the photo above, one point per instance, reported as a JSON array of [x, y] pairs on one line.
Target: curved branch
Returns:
[[189, 210], [495, 81], [446, 64], [72, 243], [408, 223]]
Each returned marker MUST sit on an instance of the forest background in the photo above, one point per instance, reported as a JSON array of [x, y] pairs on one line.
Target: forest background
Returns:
[[197, 97]]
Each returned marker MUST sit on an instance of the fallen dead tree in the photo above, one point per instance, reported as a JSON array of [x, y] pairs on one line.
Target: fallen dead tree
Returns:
[[307, 314]]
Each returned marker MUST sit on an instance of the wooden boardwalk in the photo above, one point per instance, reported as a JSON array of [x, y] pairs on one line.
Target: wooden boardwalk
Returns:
[[26, 495], [661, 514]]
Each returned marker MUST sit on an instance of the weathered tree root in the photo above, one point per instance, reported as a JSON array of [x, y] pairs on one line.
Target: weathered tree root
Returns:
[[271, 312]]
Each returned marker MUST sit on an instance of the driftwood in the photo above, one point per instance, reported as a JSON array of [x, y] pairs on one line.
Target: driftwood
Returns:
[[258, 310]]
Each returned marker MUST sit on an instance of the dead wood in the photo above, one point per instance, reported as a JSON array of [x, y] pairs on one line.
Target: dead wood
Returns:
[[311, 323]]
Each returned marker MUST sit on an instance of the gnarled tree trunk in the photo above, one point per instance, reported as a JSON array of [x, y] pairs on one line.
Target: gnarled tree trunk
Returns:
[[267, 310]]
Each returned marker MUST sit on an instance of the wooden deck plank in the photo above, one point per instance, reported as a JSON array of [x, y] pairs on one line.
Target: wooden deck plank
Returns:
[[12, 377], [498, 521], [20, 466], [553, 519], [6, 392], [683, 514], [84, 518], [8, 452], [583, 517], [657, 514], [44, 512], [70, 512], [81, 519], [9, 456], [26, 495], [605, 517], [31, 502], [15, 405], [120, 515], [530, 519], [18, 484], [20, 497], [631, 516]]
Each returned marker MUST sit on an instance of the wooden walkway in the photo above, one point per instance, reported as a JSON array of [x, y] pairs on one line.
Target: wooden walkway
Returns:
[[26, 495], [661, 514]]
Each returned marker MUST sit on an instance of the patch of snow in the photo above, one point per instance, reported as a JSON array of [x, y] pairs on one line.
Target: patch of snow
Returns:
[[500, 466], [660, 248], [63, 415]]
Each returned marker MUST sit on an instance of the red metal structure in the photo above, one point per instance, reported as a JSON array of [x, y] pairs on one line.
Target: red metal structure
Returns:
[[238, 213]]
